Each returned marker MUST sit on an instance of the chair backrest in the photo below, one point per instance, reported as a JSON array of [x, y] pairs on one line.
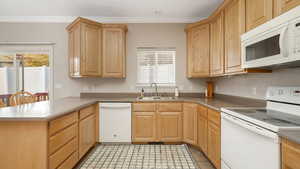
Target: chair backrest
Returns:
[[41, 97], [21, 98], [2, 104]]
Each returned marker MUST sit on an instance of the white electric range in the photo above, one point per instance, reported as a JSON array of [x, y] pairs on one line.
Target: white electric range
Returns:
[[249, 138]]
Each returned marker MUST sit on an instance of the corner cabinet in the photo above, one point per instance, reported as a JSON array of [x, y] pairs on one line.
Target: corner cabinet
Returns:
[[190, 123], [85, 48], [234, 16], [198, 51], [96, 50], [114, 45]]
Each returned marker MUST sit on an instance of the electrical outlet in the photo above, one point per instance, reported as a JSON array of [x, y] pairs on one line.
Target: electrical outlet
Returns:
[[254, 91]]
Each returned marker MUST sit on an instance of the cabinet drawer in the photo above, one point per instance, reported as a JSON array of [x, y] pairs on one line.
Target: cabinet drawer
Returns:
[[170, 107], [86, 112], [290, 155], [62, 154], [214, 116], [61, 138], [70, 162], [62, 122], [202, 111], [144, 107]]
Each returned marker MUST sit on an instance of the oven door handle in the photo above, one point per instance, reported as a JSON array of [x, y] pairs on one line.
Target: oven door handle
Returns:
[[251, 127]]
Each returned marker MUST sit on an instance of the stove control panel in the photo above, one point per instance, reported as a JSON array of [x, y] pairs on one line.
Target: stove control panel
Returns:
[[284, 94]]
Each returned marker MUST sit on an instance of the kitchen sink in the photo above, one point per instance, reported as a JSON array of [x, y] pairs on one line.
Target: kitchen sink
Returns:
[[156, 98]]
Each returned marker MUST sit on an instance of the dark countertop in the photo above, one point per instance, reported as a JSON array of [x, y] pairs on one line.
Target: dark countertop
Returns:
[[292, 135], [48, 110]]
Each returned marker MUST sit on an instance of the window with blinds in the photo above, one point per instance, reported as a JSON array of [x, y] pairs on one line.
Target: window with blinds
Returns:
[[156, 65]]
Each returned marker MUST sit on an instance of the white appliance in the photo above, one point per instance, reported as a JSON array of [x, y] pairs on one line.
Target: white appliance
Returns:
[[115, 122], [249, 138], [275, 43]]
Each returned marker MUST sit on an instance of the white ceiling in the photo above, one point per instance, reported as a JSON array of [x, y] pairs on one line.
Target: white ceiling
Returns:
[[107, 10]]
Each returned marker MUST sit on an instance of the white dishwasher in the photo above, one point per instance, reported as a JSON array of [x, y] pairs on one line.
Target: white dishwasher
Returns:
[[115, 122]]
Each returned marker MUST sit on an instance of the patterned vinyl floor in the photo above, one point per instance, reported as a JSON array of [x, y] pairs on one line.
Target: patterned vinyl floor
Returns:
[[139, 157]]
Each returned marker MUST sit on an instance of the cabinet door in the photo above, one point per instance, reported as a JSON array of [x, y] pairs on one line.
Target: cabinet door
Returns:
[[202, 131], [214, 144], [282, 6], [258, 12], [290, 155], [144, 127], [91, 50], [198, 52], [74, 51], [87, 131], [234, 27], [170, 126], [190, 123], [113, 53], [217, 46]]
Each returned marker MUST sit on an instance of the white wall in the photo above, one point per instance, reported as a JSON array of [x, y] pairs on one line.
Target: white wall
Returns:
[[168, 35], [255, 85]]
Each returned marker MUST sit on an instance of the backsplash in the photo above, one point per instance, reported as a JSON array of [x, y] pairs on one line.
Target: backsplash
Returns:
[[255, 85]]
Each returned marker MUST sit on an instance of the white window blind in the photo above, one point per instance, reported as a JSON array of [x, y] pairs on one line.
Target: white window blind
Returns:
[[156, 65]]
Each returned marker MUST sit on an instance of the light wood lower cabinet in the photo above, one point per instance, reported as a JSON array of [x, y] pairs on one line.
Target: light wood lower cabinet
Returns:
[[214, 144], [190, 123], [153, 122], [202, 128], [290, 153], [170, 126], [87, 132], [144, 127]]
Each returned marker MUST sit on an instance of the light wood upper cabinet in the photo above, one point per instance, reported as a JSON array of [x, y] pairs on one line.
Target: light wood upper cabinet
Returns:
[[234, 15], [87, 131], [114, 45], [84, 48], [144, 127], [217, 46], [170, 126], [282, 6], [97, 50], [190, 123], [198, 51], [258, 12]]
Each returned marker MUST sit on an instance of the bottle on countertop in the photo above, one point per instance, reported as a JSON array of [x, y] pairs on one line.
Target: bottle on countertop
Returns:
[[142, 93], [176, 92]]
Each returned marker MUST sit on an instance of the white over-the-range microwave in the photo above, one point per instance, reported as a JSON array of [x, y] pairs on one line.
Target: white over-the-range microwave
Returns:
[[273, 44]]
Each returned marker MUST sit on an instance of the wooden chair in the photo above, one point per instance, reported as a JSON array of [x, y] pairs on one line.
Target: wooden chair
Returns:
[[41, 97], [2, 104], [21, 98]]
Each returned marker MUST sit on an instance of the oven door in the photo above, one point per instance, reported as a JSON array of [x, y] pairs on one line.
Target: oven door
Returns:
[[247, 146], [267, 48]]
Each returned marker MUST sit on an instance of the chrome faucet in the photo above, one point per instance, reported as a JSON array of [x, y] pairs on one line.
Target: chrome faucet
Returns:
[[156, 89]]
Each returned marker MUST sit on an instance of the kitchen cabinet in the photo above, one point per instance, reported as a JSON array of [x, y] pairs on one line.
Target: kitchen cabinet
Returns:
[[290, 155], [87, 138], [214, 137], [217, 46], [170, 122], [198, 51], [97, 50], [85, 48], [234, 18], [114, 51], [144, 127], [258, 12], [190, 123], [202, 128], [282, 6]]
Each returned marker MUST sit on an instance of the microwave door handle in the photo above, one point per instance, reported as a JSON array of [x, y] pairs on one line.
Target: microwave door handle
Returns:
[[281, 39]]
